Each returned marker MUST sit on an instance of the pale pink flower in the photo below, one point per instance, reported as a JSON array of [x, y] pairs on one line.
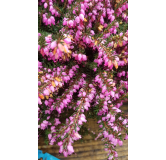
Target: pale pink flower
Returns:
[[57, 121], [46, 102], [77, 135], [71, 23], [60, 143], [92, 32], [82, 12], [83, 118], [45, 5], [49, 136], [77, 19], [70, 149], [126, 137], [84, 57], [84, 94], [112, 118], [67, 40], [64, 21], [65, 154], [53, 44], [104, 89], [39, 101], [120, 143], [79, 57], [125, 121], [46, 92], [38, 47], [61, 149], [81, 16], [49, 21]]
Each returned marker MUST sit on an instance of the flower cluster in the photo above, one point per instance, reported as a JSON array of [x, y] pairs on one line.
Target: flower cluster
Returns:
[[82, 70], [56, 50]]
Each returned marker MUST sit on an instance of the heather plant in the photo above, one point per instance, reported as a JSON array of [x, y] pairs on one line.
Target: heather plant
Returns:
[[82, 71]]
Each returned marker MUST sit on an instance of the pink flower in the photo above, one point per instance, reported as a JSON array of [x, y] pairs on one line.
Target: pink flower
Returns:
[[49, 21], [94, 12], [84, 57], [65, 154], [67, 40], [71, 23], [104, 89], [126, 137], [82, 12], [84, 94], [99, 121], [95, 69], [92, 32], [61, 149], [82, 6], [83, 118], [79, 57], [60, 143], [70, 149], [100, 126], [52, 88], [112, 93], [90, 96], [52, 20], [39, 34], [109, 63], [79, 122], [116, 154], [105, 133], [120, 143], [45, 5], [115, 128], [102, 20], [65, 101], [52, 128], [64, 21], [117, 95], [39, 101], [46, 92], [57, 121], [112, 118], [38, 47], [100, 54], [45, 122], [110, 137], [53, 44], [111, 157], [46, 102], [77, 19], [86, 105], [125, 121], [101, 96], [87, 40], [77, 135], [53, 11], [81, 16], [49, 136], [114, 141], [51, 8], [43, 126]]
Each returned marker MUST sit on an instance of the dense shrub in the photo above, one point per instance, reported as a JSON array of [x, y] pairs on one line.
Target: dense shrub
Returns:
[[82, 71]]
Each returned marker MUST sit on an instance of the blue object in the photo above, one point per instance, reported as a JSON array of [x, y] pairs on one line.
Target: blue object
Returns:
[[46, 156]]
